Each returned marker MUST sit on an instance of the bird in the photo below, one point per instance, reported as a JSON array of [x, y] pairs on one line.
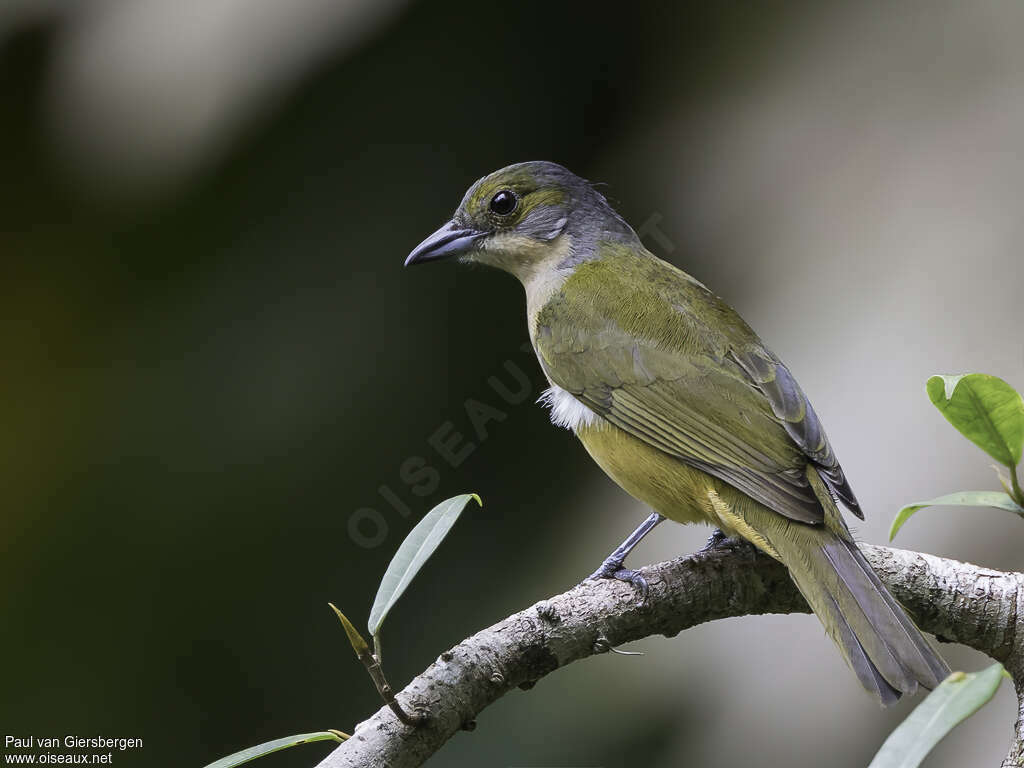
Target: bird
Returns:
[[679, 401]]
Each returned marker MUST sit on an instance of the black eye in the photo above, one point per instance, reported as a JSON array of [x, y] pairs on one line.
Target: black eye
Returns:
[[504, 202]]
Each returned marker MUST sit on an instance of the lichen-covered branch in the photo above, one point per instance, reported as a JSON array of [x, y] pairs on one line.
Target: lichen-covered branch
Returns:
[[957, 602]]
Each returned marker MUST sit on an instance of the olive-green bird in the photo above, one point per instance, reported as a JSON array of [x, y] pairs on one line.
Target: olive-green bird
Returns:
[[680, 402]]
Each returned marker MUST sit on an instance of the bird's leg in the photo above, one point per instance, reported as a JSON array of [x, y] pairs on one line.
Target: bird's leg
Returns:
[[612, 568]]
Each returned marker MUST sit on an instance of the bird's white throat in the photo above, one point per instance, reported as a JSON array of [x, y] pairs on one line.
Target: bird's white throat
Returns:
[[566, 410]]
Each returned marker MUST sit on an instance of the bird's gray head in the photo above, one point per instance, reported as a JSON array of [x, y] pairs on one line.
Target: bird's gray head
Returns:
[[523, 216]]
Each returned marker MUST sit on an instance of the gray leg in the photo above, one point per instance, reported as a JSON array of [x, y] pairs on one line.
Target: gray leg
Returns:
[[612, 568]]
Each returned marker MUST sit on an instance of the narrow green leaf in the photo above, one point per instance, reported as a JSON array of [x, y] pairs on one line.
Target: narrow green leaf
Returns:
[[418, 546], [986, 410], [358, 644], [958, 697], [245, 755], [959, 499]]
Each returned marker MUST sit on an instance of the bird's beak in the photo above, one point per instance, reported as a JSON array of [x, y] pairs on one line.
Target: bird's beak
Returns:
[[449, 240]]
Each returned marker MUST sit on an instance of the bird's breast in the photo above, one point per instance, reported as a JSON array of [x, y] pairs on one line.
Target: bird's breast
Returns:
[[664, 483]]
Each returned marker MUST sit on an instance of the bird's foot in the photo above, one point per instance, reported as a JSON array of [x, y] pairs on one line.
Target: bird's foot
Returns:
[[719, 543], [715, 541], [612, 568]]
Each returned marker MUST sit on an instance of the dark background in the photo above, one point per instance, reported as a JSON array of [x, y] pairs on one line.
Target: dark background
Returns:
[[212, 356]]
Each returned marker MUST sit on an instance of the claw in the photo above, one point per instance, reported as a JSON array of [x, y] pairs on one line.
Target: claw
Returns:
[[636, 579], [612, 569], [715, 540], [720, 542]]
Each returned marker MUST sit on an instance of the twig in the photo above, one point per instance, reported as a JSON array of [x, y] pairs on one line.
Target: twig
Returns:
[[956, 601], [373, 666]]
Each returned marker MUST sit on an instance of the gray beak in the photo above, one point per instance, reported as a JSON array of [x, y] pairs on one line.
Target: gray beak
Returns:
[[449, 240]]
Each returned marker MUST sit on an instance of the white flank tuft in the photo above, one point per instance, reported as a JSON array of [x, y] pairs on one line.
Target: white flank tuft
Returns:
[[566, 410]]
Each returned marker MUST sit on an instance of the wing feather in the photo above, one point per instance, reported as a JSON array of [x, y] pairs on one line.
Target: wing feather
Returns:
[[717, 400]]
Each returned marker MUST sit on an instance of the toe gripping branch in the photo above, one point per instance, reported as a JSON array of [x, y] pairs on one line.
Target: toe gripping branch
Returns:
[[612, 567]]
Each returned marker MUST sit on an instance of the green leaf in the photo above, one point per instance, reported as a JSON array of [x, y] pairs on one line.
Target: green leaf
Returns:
[[986, 410], [959, 499], [417, 548], [245, 755], [958, 697]]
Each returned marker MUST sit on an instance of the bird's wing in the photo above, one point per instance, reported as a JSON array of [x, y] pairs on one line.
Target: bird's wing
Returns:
[[665, 360], [791, 407]]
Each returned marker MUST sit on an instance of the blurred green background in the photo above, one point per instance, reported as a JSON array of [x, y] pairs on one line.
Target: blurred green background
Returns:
[[212, 357]]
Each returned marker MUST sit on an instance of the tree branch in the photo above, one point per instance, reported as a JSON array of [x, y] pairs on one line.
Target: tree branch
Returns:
[[957, 602]]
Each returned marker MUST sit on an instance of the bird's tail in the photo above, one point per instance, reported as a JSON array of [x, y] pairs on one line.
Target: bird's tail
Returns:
[[878, 640]]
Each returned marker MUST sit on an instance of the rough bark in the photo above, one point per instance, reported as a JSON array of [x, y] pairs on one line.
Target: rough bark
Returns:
[[955, 601]]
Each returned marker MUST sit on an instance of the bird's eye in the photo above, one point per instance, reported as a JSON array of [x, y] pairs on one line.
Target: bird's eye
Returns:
[[504, 202]]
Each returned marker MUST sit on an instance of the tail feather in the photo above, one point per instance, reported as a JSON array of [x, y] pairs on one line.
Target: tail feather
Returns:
[[877, 638], [881, 627], [876, 630], [935, 669], [879, 641], [866, 672]]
